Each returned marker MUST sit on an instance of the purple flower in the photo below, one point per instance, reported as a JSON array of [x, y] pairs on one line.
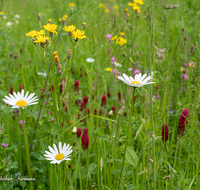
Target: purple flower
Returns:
[[21, 123], [4, 145], [113, 59], [116, 72], [109, 36]]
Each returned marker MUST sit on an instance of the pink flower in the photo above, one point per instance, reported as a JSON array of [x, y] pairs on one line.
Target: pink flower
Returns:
[[116, 72], [184, 76], [113, 59], [109, 36], [184, 118], [4, 145], [85, 139], [136, 72], [165, 132], [21, 123]]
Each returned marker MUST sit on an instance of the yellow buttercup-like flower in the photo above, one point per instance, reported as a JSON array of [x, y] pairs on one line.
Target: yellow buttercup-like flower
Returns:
[[136, 8], [71, 5], [51, 28], [114, 38], [106, 10], [41, 39], [34, 33], [108, 69], [139, 2], [122, 33], [70, 29], [121, 41], [100, 6], [116, 7], [78, 34]]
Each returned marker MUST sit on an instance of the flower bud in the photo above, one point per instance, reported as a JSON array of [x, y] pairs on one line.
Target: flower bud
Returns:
[[78, 133], [74, 130], [85, 139], [110, 114], [39, 16]]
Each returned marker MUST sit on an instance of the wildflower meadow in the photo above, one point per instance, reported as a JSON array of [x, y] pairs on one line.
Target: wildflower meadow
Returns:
[[99, 95]]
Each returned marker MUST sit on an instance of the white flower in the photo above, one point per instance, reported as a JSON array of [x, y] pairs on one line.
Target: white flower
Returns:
[[90, 60], [4, 17], [117, 64], [42, 74], [17, 22], [19, 100], [8, 24], [17, 16], [74, 130], [58, 156], [130, 69], [138, 81]]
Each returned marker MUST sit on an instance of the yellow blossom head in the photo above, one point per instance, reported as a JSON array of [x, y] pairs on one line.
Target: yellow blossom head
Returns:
[[50, 21], [106, 10], [108, 69], [1, 13], [122, 33], [71, 5], [121, 41], [43, 40], [116, 7], [51, 28], [78, 34], [101, 6], [70, 29], [114, 38], [34, 33], [65, 17]]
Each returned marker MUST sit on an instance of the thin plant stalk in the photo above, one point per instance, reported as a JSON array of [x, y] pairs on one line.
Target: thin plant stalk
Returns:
[[129, 126], [27, 152]]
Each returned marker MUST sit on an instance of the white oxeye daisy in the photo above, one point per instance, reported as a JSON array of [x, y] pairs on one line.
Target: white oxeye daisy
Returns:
[[19, 100], [117, 64], [90, 60], [139, 80], [57, 156]]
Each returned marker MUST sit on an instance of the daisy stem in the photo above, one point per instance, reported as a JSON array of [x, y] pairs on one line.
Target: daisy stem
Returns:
[[27, 152], [129, 126]]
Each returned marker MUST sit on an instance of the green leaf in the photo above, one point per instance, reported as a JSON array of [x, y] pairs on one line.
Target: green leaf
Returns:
[[23, 183], [131, 156], [149, 143]]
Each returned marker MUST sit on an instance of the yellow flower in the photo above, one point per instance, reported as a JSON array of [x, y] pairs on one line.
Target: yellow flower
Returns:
[[71, 5], [34, 33], [121, 41], [122, 33], [116, 7], [108, 69], [41, 39], [65, 16], [51, 28], [139, 2], [136, 8], [78, 34], [106, 10], [114, 38], [49, 21], [131, 4], [60, 19], [70, 28], [101, 6], [126, 10], [1, 13]]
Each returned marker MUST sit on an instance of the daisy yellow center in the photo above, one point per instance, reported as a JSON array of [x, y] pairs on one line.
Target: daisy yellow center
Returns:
[[136, 82], [21, 103], [59, 156]]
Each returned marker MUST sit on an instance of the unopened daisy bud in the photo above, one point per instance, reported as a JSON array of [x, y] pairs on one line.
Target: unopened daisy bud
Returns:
[[39, 16], [79, 132], [103, 100], [101, 164], [59, 71], [84, 25], [85, 139], [11, 90], [74, 130], [165, 133], [63, 21], [110, 114], [50, 21], [120, 112], [69, 54]]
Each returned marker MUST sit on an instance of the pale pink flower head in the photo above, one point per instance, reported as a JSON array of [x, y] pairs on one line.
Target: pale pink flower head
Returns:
[[109, 36], [4, 145], [116, 72], [136, 72], [113, 59], [184, 76]]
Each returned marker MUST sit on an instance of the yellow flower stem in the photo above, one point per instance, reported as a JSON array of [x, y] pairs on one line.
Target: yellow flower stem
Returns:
[[128, 131], [27, 152]]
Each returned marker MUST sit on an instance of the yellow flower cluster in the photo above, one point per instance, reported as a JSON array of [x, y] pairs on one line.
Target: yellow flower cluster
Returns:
[[120, 40], [51, 28], [135, 4], [71, 5], [104, 7]]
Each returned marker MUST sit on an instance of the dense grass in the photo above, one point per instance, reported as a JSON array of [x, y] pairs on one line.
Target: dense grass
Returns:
[[148, 162]]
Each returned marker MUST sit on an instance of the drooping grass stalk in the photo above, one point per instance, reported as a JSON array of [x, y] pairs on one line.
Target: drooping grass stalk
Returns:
[[27, 152], [128, 131]]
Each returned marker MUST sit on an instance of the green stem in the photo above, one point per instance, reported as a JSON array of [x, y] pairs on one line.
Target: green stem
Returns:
[[109, 155], [27, 152], [128, 131]]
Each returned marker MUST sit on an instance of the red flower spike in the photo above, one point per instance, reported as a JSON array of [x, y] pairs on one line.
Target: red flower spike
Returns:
[[103, 100], [95, 111], [11, 90], [85, 139], [76, 86], [113, 109], [119, 96], [165, 132], [21, 87], [79, 132], [85, 99]]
